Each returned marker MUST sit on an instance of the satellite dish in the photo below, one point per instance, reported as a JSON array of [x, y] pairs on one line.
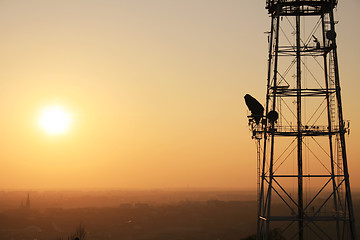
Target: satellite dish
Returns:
[[255, 107], [331, 35], [273, 116]]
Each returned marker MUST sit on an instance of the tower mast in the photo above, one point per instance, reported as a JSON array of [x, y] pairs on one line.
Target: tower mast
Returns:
[[304, 185]]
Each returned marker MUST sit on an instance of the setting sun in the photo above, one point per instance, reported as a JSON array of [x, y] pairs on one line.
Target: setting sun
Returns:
[[55, 120]]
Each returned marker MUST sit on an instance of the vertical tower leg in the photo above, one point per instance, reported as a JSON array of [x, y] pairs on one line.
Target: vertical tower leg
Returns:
[[342, 132], [299, 132], [330, 128]]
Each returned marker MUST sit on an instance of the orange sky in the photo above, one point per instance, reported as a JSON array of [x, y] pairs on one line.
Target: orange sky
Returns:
[[155, 88]]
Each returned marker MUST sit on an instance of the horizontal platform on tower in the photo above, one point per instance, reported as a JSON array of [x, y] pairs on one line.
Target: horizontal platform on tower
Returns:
[[299, 7], [308, 219], [311, 51], [285, 91], [306, 176], [292, 131]]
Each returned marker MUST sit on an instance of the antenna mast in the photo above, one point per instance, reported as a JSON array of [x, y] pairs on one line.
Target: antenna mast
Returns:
[[304, 186]]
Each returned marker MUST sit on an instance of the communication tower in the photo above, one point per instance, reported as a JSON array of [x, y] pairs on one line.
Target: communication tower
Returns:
[[304, 186]]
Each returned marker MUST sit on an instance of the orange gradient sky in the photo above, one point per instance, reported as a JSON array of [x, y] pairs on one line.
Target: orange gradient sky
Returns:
[[155, 89]]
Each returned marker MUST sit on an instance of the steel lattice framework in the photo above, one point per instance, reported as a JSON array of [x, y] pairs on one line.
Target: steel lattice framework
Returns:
[[304, 187]]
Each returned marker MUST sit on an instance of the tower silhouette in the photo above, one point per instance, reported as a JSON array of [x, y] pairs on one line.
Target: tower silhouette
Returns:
[[304, 186]]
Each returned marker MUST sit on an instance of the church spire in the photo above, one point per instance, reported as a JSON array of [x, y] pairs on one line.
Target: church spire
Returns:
[[28, 201]]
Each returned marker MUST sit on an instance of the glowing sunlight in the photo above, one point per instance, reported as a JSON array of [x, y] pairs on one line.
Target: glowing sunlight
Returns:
[[55, 120]]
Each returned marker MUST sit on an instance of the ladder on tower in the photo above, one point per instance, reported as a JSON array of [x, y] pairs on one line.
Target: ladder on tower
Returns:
[[258, 163], [331, 75], [332, 86], [339, 172]]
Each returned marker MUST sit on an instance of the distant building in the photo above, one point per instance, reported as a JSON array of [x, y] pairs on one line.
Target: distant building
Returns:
[[33, 228], [27, 203]]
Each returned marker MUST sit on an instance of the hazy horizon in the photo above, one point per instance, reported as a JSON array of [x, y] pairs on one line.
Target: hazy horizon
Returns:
[[153, 92]]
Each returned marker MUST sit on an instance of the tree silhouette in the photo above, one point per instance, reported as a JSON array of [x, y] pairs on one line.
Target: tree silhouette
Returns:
[[274, 234], [79, 234]]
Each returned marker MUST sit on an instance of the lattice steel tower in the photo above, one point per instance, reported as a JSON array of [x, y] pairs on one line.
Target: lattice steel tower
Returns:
[[304, 187]]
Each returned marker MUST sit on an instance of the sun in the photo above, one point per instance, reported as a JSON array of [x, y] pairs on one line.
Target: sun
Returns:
[[55, 120]]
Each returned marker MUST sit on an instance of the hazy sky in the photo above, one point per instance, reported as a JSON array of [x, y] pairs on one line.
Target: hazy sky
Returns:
[[155, 88]]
